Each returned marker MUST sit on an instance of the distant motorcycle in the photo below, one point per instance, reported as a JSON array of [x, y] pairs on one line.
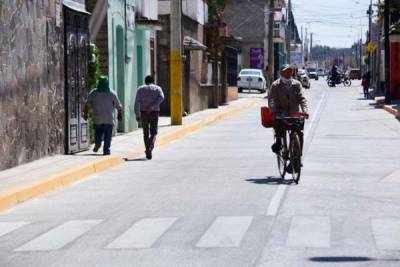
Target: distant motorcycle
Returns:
[[341, 79]]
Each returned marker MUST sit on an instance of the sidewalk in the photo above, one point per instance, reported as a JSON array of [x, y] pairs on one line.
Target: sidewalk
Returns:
[[393, 108], [29, 180]]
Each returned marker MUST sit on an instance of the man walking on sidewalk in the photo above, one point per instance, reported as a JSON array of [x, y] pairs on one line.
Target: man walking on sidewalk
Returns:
[[147, 109], [103, 101]]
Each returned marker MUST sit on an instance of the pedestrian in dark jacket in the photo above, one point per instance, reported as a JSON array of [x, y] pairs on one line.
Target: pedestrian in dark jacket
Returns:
[[147, 110], [365, 82], [103, 101]]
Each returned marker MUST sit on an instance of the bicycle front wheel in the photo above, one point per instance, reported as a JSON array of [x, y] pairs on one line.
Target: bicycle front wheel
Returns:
[[295, 157], [281, 159], [347, 82]]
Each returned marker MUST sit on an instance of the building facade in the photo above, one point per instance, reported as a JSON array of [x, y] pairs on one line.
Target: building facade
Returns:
[[125, 37], [251, 22]]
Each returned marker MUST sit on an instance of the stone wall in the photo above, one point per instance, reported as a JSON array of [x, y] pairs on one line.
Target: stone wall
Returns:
[[32, 119]]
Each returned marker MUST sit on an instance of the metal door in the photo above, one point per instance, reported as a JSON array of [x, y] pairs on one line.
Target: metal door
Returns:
[[76, 56]]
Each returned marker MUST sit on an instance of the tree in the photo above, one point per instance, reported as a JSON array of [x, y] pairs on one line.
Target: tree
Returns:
[[394, 10], [216, 10]]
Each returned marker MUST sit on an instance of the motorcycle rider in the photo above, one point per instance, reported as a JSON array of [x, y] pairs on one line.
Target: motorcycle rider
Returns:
[[334, 75]]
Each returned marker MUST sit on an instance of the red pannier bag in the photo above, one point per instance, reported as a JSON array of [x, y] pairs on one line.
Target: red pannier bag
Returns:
[[267, 119]]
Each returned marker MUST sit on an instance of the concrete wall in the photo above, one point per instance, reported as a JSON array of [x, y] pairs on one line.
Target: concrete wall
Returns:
[[101, 39], [195, 96], [32, 118], [194, 9], [147, 8]]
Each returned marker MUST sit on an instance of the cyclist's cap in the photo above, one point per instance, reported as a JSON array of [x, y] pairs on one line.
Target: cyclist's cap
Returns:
[[285, 67]]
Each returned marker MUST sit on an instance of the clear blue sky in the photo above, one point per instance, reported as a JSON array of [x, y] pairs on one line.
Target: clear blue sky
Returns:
[[336, 23]]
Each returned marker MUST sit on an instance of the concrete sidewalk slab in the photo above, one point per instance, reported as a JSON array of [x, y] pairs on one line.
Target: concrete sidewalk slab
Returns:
[[26, 181]]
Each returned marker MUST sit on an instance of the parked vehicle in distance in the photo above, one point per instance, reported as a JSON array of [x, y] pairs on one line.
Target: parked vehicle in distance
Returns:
[[354, 74], [302, 76], [321, 72], [251, 79], [312, 73]]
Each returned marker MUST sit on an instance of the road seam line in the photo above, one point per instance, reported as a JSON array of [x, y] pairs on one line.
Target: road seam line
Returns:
[[276, 200]]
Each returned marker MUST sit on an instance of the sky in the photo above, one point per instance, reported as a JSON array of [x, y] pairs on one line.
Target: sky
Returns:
[[335, 23]]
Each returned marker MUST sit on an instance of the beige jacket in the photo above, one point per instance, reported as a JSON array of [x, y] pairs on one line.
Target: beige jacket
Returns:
[[283, 100]]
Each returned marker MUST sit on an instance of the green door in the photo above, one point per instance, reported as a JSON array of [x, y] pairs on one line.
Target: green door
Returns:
[[139, 65], [120, 69]]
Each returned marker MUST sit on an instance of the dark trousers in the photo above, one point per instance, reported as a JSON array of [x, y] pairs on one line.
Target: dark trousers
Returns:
[[149, 122], [280, 132], [366, 91], [103, 131]]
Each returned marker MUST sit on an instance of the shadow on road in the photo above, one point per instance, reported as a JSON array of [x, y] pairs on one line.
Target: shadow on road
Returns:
[[347, 259], [270, 180]]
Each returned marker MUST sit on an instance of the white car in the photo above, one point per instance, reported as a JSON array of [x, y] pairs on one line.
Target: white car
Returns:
[[312, 73], [251, 79], [303, 78]]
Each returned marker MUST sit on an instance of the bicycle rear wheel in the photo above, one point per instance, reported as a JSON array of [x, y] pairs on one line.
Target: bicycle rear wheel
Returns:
[[282, 159], [295, 157]]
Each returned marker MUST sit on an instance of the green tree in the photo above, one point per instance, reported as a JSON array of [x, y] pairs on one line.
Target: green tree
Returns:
[[216, 10]]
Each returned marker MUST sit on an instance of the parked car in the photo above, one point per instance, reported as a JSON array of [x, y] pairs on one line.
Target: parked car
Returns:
[[354, 74], [312, 73], [321, 72], [302, 76], [251, 79]]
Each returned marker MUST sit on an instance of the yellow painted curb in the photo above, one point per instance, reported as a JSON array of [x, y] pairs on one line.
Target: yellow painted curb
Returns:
[[21, 193]]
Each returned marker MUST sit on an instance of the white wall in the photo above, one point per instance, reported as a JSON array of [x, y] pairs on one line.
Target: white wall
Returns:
[[195, 9], [147, 8]]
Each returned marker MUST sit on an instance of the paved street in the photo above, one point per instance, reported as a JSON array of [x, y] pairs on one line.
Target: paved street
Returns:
[[213, 198]]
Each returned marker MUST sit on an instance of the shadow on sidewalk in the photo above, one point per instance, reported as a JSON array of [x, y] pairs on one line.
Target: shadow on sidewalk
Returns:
[[269, 180], [89, 154], [138, 159]]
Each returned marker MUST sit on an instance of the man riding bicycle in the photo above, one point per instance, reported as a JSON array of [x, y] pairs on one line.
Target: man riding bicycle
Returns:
[[285, 97]]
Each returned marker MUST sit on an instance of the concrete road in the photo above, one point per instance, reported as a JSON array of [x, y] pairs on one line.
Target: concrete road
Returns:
[[213, 199]]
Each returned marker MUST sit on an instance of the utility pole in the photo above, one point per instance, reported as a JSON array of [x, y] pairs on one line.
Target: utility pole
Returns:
[[290, 24], [360, 44], [379, 60], [176, 63], [306, 47], [388, 98], [302, 46], [271, 42], [311, 44], [370, 34]]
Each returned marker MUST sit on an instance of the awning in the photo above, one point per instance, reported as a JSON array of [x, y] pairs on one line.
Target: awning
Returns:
[[231, 40], [74, 5], [190, 43], [148, 24]]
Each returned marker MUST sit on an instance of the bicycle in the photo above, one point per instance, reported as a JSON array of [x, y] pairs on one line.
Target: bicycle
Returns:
[[291, 150]]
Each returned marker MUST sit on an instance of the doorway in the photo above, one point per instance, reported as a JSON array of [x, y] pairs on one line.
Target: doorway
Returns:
[[76, 43]]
